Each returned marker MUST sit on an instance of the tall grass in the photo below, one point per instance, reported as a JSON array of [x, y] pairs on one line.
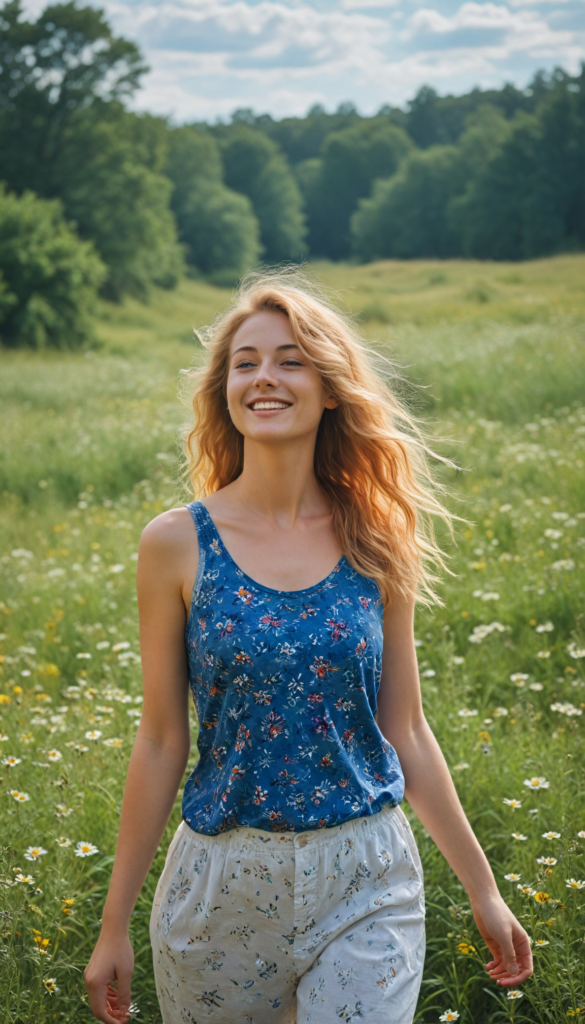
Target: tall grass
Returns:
[[89, 457]]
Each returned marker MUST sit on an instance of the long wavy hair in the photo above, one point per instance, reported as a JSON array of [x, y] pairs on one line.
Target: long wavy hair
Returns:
[[371, 458]]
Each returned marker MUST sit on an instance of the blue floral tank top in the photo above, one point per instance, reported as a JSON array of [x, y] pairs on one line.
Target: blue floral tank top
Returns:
[[285, 688]]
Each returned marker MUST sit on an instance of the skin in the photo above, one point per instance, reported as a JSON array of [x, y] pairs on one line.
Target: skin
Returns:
[[276, 524]]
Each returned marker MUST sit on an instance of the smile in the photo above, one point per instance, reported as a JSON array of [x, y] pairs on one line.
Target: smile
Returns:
[[261, 405]]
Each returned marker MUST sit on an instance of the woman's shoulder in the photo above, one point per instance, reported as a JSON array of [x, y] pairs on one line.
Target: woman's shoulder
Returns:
[[169, 529]]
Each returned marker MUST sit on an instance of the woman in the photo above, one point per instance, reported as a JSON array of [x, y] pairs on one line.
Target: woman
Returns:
[[292, 889]]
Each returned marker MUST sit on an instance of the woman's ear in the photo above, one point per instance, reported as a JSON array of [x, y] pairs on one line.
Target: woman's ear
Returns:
[[331, 402]]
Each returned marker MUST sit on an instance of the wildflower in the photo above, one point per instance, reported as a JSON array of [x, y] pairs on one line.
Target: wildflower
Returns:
[[519, 678], [429, 673], [50, 985], [566, 708], [460, 767], [118, 567], [457, 660], [34, 852], [500, 712], [535, 686], [21, 798], [536, 783], [24, 878], [123, 645], [581, 835], [67, 904], [466, 948], [573, 650], [62, 811], [3, 737], [519, 836], [61, 841], [551, 835], [4, 698], [572, 883], [113, 742], [512, 877], [544, 627], [526, 890], [564, 563], [549, 862], [103, 644], [40, 943], [85, 849], [541, 942], [54, 755], [479, 633], [514, 993], [11, 761], [541, 897], [93, 734], [512, 803], [543, 654], [466, 713], [449, 1015]]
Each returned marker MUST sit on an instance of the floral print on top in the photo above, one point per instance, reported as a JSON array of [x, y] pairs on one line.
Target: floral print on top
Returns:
[[285, 688]]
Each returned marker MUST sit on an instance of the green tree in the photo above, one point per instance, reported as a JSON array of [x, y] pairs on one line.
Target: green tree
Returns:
[[255, 166], [528, 199], [407, 215], [49, 277], [350, 162], [64, 133], [217, 225]]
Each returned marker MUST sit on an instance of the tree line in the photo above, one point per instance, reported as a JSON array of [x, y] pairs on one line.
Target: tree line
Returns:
[[96, 198]]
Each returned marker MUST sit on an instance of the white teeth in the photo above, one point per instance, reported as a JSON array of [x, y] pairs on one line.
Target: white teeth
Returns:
[[269, 405]]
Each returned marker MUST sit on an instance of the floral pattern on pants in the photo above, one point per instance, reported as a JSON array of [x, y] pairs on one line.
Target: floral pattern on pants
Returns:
[[311, 927]]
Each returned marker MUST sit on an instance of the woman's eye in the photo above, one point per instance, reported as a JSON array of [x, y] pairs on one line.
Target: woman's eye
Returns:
[[242, 366], [291, 362]]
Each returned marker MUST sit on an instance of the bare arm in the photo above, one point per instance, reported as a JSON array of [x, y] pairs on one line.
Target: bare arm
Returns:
[[157, 762], [432, 795]]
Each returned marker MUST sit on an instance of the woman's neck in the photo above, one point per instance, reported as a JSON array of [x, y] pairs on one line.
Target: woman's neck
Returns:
[[278, 482]]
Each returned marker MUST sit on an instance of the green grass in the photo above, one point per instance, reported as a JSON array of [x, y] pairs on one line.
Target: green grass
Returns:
[[493, 356]]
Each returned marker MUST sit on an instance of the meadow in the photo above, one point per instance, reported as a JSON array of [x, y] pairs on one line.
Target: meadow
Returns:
[[492, 356]]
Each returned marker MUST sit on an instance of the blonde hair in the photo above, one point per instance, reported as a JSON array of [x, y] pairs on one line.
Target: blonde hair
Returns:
[[371, 457]]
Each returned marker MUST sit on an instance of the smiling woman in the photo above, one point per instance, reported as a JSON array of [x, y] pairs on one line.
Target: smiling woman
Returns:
[[282, 598]]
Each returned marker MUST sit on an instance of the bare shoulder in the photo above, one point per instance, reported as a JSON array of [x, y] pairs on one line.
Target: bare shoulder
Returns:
[[169, 531]]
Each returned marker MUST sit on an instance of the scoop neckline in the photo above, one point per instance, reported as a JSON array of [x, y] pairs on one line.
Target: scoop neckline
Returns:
[[262, 586]]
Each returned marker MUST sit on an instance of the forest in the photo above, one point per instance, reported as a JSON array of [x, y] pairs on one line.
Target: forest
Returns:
[[96, 199]]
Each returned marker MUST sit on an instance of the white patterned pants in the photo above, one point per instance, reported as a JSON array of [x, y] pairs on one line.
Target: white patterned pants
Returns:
[[316, 927]]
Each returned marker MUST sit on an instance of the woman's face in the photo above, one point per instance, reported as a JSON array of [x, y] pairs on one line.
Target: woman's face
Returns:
[[273, 392]]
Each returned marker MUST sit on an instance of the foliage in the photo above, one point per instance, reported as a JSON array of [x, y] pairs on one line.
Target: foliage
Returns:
[[49, 277], [217, 225], [64, 133], [255, 167], [91, 448], [350, 162]]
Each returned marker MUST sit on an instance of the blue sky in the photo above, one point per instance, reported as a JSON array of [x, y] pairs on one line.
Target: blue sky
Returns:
[[281, 56]]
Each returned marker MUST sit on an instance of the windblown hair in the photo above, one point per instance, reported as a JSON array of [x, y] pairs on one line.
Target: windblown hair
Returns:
[[371, 456]]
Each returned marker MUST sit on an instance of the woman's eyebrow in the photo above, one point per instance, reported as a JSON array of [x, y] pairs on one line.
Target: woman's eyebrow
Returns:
[[252, 348]]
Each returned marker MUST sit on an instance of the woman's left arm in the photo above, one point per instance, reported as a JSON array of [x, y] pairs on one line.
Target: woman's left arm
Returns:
[[432, 795]]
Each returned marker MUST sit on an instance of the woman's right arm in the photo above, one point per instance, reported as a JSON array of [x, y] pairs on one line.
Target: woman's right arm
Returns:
[[158, 759]]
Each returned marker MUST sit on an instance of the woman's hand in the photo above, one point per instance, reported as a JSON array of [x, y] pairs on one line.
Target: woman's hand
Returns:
[[111, 960], [506, 939]]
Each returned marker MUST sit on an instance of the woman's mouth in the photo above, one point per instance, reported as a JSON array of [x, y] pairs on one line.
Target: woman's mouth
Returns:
[[268, 405]]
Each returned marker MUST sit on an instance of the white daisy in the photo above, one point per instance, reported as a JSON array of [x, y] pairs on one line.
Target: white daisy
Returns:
[[572, 883], [85, 849], [537, 783], [34, 852], [551, 835], [93, 734]]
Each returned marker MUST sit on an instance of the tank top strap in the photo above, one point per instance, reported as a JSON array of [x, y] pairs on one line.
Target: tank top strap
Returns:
[[206, 532]]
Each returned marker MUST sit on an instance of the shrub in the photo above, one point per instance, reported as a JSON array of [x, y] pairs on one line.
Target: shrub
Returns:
[[49, 277]]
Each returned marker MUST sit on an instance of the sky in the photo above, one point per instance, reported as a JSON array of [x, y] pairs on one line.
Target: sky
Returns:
[[209, 57]]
